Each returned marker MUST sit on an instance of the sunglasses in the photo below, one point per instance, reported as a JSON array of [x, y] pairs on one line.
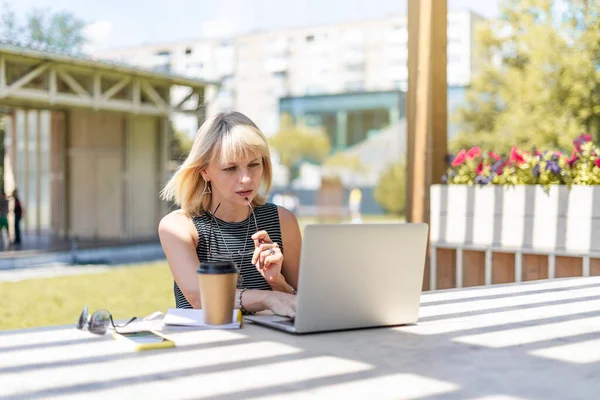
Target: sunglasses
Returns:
[[98, 322]]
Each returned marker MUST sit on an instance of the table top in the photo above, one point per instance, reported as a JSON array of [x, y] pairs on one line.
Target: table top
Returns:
[[534, 340]]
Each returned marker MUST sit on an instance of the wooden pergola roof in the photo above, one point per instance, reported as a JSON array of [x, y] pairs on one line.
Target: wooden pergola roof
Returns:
[[41, 79]]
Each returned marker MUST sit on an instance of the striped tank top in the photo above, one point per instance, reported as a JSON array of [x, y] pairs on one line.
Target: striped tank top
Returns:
[[227, 240]]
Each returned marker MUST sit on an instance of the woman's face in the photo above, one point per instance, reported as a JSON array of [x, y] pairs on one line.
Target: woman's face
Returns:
[[236, 180]]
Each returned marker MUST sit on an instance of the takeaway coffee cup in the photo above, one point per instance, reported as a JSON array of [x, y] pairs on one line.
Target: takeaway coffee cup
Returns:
[[217, 282]]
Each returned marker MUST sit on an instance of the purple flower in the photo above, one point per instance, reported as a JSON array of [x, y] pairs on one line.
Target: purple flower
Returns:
[[553, 167], [497, 165], [483, 180], [536, 170]]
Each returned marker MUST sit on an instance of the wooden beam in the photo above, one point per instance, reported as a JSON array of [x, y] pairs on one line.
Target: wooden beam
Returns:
[[52, 86], [137, 96], [115, 88], [97, 90], [72, 83], [427, 144], [186, 98], [25, 79], [154, 96], [411, 100]]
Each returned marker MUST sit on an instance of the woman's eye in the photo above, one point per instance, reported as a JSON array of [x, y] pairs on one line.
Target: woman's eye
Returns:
[[230, 169], [254, 164]]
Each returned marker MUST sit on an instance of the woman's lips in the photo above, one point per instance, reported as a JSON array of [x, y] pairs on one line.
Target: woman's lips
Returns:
[[245, 193]]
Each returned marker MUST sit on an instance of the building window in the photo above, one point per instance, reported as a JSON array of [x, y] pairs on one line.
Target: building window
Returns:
[[310, 38], [188, 51], [163, 53], [358, 67], [354, 86]]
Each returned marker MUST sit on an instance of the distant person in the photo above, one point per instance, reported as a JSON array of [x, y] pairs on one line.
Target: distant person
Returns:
[[354, 204], [18, 211], [4, 217]]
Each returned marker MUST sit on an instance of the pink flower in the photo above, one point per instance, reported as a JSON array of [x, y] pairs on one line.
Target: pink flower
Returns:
[[494, 155], [473, 153], [597, 162], [515, 157], [460, 158], [479, 169], [573, 159]]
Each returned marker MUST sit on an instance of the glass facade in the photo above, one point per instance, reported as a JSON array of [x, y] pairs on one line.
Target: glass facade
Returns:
[[348, 118]]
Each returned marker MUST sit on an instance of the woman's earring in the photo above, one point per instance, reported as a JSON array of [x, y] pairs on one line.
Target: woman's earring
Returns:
[[206, 188]]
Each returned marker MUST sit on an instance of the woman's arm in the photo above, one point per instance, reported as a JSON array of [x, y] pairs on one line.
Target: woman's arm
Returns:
[[178, 238], [292, 244]]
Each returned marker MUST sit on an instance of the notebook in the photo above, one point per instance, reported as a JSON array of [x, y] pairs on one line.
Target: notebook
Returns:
[[195, 318]]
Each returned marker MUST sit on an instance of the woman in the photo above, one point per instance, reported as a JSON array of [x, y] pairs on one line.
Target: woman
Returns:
[[224, 217]]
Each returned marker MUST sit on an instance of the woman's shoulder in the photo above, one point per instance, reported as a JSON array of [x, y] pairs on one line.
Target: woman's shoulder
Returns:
[[176, 223], [285, 216], [272, 209]]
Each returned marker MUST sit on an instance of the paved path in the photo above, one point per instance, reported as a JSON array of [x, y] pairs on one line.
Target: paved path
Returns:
[[59, 269]]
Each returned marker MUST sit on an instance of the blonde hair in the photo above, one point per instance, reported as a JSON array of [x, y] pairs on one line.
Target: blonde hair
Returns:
[[223, 138]]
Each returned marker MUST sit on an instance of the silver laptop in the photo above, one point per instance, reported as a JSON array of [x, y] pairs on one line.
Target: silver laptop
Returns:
[[356, 276]]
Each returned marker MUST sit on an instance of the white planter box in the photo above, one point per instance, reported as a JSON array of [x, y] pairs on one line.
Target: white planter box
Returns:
[[521, 217]]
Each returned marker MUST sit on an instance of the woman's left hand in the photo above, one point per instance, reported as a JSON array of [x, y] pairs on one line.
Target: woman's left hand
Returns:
[[267, 257]]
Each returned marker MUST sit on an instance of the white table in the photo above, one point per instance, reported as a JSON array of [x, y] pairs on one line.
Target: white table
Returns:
[[535, 340]]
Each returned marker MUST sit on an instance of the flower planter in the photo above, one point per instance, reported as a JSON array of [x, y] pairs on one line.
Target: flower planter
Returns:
[[503, 234]]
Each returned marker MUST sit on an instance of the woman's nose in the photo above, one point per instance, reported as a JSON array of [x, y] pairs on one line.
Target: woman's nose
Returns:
[[245, 177]]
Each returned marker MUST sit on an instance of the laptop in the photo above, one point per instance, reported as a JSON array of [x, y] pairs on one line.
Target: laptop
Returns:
[[356, 276]]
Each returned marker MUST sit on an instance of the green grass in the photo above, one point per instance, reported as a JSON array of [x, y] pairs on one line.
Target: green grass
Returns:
[[124, 291]]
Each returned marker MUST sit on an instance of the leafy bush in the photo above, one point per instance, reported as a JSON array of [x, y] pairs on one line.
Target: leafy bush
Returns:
[[390, 192]]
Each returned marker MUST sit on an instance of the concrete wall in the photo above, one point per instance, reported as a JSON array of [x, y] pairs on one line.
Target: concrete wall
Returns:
[[143, 168], [95, 169], [114, 169]]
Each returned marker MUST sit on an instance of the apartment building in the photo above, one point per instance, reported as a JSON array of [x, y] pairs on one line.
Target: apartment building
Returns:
[[256, 70]]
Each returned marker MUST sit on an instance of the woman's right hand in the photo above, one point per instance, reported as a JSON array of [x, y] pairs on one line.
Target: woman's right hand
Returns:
[[281, 303]]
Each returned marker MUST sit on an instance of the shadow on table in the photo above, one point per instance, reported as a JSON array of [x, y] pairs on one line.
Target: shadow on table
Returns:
[[498, 351]]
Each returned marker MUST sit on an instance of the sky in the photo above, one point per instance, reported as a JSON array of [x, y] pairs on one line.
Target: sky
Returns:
[[113, 24]]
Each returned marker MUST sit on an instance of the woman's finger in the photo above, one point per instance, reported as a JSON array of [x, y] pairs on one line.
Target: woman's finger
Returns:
[[272, 259], [256, 255], [273, 254], [263, 248], [261, 237]]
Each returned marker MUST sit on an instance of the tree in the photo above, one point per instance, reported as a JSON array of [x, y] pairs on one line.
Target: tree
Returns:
[[346, 161], [296, 143], [390, 192], [181, 145], [44, 30], [9, 29], [344, 164], [540, 85]]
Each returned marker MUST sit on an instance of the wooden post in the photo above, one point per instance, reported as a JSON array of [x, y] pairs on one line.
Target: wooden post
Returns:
[[426, 104]]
